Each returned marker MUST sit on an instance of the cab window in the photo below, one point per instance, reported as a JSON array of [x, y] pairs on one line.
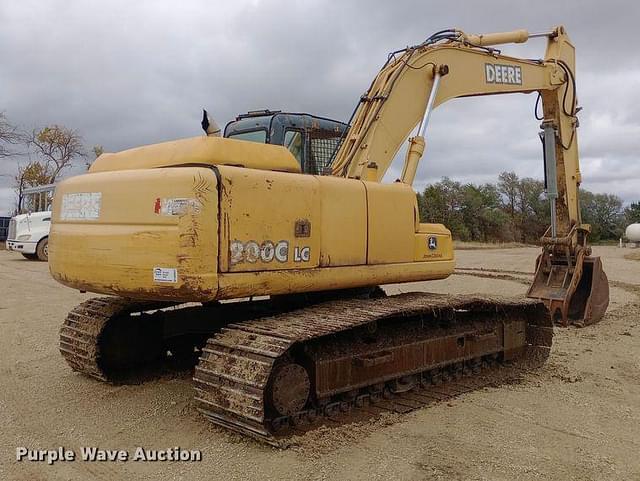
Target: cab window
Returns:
[[251, 136], [293, 142]]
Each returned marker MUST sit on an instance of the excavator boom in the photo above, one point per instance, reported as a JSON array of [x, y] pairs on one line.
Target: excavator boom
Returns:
[[451, 64]]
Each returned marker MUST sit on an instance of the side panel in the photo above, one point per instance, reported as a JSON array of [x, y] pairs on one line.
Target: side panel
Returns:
[[391, 223], [433, 243], [269, 220], [148, 234], [343, 222]]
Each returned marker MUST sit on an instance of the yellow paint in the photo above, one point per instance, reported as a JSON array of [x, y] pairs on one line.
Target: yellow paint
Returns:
[[187, 206], [200, 150], [443, 243], [516, 36], [245, 284], [346, 220], [391, 222], [262, 208], [116, 253], [343, 226]]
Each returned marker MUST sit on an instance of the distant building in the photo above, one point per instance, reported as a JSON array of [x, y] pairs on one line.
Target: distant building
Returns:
[[4, 228]]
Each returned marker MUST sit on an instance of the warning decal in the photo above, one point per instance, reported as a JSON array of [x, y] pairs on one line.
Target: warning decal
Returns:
[[81, 206], [165, 274]]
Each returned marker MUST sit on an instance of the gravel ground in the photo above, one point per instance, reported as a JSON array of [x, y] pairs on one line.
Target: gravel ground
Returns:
[[576, 418]]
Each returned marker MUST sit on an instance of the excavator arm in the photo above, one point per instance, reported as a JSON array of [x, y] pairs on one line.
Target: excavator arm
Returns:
[[451, 64]]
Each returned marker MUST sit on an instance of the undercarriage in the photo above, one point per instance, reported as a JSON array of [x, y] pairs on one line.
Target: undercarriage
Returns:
[[270, 367]]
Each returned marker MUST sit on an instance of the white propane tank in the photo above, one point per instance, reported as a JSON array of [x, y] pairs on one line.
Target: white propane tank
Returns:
[[633, 233]]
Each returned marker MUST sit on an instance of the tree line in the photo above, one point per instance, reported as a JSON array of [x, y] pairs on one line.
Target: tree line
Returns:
[[515, 210]]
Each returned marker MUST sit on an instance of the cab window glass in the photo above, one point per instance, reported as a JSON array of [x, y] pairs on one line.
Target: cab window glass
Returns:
[[293, 142], [252, 136]]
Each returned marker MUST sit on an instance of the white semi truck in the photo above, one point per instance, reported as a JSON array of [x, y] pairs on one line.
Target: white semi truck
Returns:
[[29, 235]]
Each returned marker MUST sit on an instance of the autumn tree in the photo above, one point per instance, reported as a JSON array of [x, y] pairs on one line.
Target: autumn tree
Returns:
[[31, 175], [9, 135], [97, 151], [58, 147], [55, 148]]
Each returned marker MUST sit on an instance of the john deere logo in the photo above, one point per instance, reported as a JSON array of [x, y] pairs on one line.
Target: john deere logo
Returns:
[[432, 242], [502, 74]]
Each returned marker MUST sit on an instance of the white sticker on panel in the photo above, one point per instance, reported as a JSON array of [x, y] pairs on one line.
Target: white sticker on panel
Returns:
[[177, 206], [81, 206], [165, 274]]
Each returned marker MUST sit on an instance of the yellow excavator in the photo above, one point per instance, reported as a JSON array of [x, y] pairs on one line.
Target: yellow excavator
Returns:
[[259, 253]]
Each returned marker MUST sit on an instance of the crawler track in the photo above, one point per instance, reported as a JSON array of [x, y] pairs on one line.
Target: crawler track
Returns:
[[81, 335], [265, 377], [271, 369], [114, 339], [447, 384]]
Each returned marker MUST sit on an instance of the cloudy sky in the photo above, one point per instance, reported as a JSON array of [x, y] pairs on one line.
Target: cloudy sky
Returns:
[[127, 73]]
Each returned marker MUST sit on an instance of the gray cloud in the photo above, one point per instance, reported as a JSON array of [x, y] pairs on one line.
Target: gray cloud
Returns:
[[130, 73]]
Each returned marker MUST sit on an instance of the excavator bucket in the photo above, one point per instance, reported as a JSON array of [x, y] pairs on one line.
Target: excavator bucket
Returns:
[[575, 290]]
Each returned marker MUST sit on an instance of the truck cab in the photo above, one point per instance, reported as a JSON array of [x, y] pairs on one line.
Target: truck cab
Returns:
[[312, 140], [29, 235]]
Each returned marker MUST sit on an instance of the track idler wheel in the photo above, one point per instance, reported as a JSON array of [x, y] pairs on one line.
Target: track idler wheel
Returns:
[[290, 388]]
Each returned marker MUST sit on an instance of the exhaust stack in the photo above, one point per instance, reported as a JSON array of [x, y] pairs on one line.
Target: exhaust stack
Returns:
[[210, 126]]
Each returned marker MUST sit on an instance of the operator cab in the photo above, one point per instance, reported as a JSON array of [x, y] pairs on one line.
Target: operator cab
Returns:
[[312, 140]]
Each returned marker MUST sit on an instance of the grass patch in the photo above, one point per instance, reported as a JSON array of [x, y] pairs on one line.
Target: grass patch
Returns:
[[606, 242]]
